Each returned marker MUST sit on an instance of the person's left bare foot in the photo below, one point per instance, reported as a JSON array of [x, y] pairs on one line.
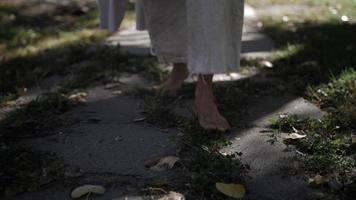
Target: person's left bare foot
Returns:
[[176, 79]]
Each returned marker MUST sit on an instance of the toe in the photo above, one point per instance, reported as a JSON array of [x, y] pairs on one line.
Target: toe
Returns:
[[223, 124], [206, 125]]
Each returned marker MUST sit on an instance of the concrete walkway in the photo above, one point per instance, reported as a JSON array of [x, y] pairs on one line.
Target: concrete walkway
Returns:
[[108, 146]]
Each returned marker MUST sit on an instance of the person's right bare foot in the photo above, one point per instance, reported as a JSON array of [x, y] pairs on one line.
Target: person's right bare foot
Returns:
[[208, 113]]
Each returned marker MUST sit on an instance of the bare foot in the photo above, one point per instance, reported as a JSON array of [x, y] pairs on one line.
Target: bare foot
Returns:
[[176, 78], [208, 113]]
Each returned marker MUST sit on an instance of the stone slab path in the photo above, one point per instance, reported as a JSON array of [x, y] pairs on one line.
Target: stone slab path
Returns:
[[107, 147]]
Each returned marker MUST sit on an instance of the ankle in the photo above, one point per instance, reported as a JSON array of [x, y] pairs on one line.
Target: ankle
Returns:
[[180, 67], [204, 85]]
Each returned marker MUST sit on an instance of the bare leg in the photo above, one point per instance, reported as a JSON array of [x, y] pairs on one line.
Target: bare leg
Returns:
[[176, 78], [208, 113]]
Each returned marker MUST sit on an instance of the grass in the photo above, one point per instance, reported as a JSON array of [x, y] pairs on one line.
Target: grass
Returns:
[[25, 170], [318, 10], [21, 168], [204, 165], [329, 149], [40, 40], [37, 118], [35, 45], [315, 57]]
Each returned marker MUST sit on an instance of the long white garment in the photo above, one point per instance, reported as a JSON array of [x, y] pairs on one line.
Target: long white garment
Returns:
[[205, 34], [111, 13], [214, 35], [140, 15]]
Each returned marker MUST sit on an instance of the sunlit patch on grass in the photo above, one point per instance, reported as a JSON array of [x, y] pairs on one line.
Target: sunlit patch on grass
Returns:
[[40, 40], [64, 39], [317, 10], [288, 51]]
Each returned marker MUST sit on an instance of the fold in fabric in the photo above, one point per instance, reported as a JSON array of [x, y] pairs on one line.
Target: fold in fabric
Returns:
[[214, 29], [140, 16], [111, 13]]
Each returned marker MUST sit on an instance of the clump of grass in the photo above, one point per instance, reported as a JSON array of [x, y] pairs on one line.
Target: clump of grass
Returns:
[[23, 170], [337, 92], [205, 164], [329, 149], [158, 107], [37, 118], [338, 98]]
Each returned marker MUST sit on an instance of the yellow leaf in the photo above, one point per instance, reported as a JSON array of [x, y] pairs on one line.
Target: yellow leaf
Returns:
[[86, 189], [236, 191]]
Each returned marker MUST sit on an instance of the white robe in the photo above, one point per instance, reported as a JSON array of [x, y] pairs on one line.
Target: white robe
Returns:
[[111, 13], [205, 34]]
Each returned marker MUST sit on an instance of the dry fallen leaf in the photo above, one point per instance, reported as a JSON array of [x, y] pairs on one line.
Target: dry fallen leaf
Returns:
[[344, 18], [112, 85], [80, 97], [293, 136], [319, 180], [285, 18], [141, 119], [236, 191], [86, 189], [283, 116], [172, 196], [165, 163], [267, 64], [117, 92]]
